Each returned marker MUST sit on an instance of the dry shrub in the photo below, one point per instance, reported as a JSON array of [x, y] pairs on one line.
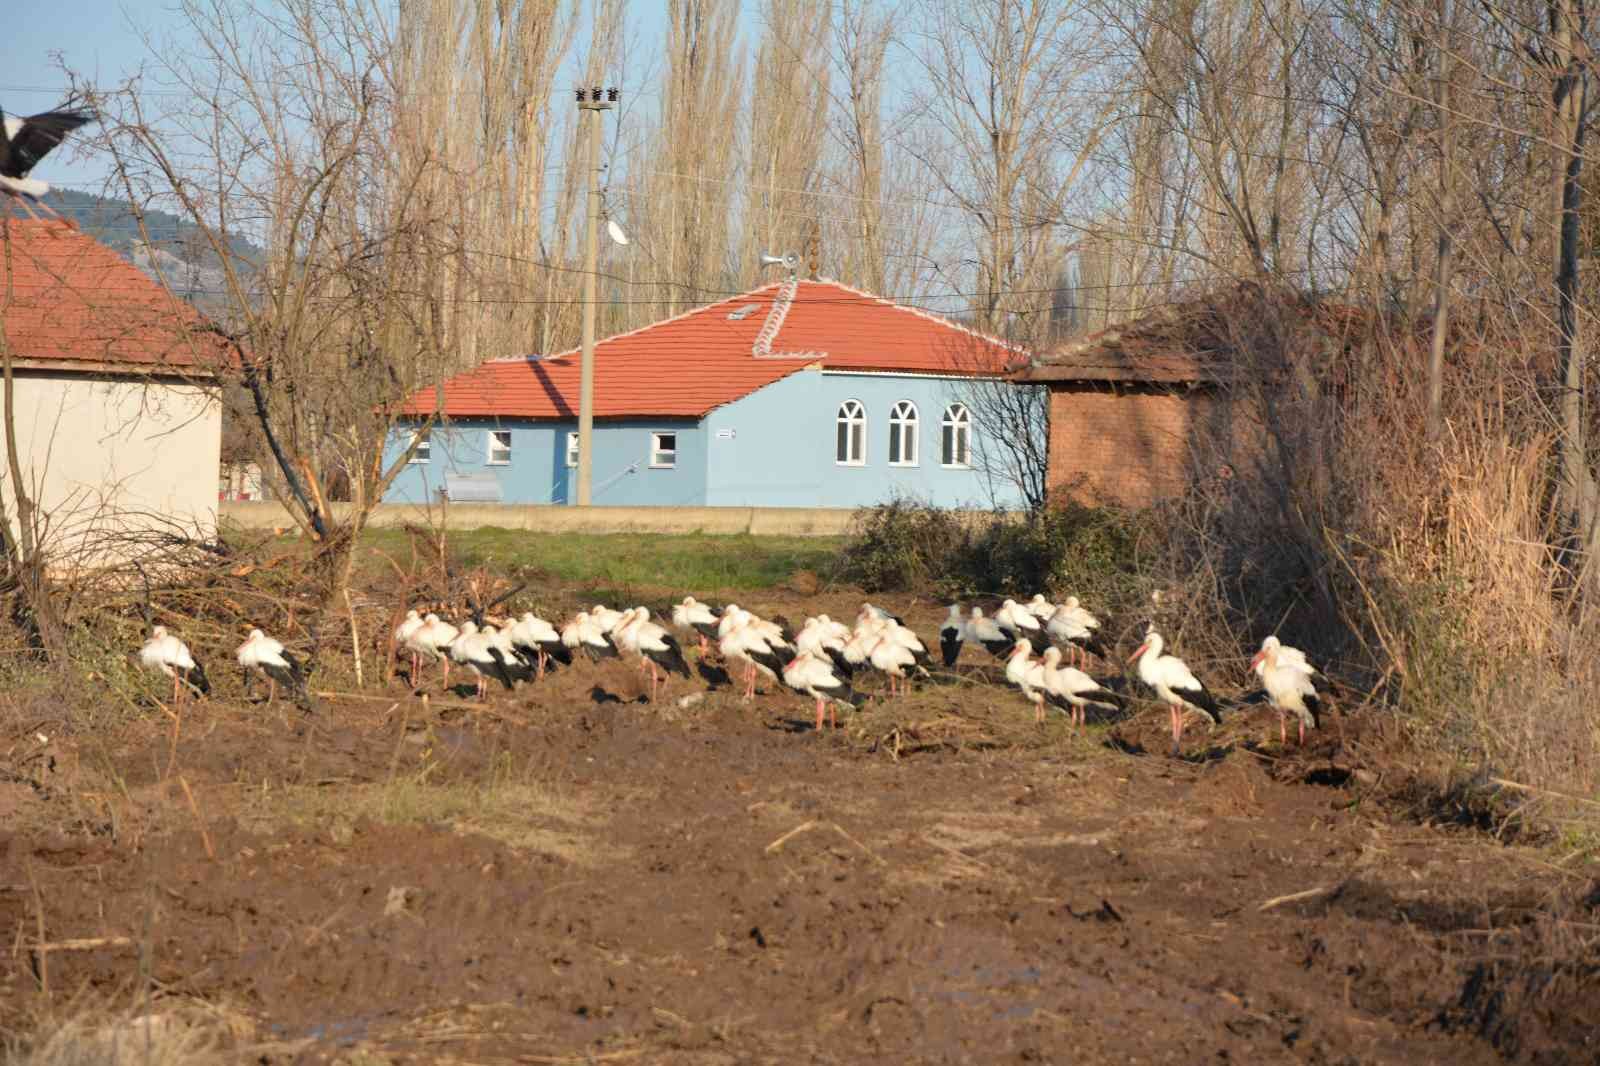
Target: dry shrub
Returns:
[[1426, 573]]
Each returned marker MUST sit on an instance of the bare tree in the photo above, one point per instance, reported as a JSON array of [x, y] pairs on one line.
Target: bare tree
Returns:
[[303, 140]]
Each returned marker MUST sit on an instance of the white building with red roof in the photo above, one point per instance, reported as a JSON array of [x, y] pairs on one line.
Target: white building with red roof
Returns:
[[799, 393], [116, 418]]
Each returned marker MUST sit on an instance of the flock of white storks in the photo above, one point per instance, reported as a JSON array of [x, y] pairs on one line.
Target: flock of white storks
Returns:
[[824, 659]]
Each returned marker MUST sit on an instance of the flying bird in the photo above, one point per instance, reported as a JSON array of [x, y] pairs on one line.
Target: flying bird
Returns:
[[25, 141]]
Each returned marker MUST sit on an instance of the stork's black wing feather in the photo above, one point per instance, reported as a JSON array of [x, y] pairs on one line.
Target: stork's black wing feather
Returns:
[[39, 134], [196, 678], [499, 668], [950, 645], [671, 659], [841, 665]]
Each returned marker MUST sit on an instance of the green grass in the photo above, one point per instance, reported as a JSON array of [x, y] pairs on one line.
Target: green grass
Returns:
[[687, 560]]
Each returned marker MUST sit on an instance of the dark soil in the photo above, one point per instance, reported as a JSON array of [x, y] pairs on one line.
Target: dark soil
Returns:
[[566, 877]]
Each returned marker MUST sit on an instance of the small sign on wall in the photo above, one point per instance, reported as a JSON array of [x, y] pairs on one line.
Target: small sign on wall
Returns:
[[727, 434]]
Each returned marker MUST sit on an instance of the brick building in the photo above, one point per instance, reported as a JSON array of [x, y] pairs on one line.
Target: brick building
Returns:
[[1141, 411]]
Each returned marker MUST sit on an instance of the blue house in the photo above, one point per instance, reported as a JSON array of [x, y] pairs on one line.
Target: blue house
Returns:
[[796, 394]]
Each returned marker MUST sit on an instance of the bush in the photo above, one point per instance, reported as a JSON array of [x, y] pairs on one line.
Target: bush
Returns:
[[910, 546], [902, 546]]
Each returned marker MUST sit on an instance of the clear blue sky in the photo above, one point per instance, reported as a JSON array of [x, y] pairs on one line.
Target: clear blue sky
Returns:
[[98, 39], [104, 42]]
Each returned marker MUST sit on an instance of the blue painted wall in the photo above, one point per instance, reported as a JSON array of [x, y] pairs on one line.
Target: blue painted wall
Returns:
[[538, 473], [772, 448], [777, 446]]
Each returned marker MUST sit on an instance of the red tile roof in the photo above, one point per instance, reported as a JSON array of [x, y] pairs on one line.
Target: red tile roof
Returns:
[[687, 365], [76, 304]]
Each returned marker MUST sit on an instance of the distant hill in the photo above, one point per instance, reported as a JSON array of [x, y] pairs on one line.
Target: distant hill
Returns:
[[181, 251]]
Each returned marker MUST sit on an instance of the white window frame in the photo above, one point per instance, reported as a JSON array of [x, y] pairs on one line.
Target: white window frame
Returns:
[[905, 426], [657, 462], [961, 433], [421, 443], [572, 449], [490, 443], [856, 422]]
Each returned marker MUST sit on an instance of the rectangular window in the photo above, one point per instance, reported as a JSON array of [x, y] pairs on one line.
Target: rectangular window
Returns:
[[572, 450], [424, 446], [663, 451], [499, 447]]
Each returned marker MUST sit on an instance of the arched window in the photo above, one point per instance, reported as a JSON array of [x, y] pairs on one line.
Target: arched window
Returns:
[[903, 434], [956, 440], [851, 448]]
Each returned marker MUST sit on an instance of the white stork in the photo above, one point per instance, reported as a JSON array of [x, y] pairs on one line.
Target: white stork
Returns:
[[532, 635], [692, 614], [984, 631], [1040, 607], [605, 617], [821, 639], [25, 141], [583, 634], [950, 636], [1066, 626], [1025, 673], [402, 637], [1072, 690], [1015, 619], [171, 656], [432, 640], [889, 656], [816, 677], [478, 651], [654, 646], [1286, 675], [742, 642], [1174, 683], [263, 653]]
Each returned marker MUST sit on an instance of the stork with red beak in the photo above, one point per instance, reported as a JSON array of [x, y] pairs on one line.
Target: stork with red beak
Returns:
[[1286, 675], [1174, 683]]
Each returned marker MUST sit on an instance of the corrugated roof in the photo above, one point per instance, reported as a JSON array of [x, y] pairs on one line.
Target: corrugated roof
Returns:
[[688, 365], [75, 302]]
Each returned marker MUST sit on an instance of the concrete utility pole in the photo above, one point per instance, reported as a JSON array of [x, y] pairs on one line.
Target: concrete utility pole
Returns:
[[590, 103]]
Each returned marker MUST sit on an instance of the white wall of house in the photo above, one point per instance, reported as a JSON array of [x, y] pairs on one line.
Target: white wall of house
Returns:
[[103, 453]]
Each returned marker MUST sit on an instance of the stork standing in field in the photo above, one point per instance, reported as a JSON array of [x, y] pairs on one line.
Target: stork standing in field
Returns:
[[984, 631], [654, 646], [692, 614], [1287, 675], [432, 640], [1025, 673], [1016, 620], [1174, 683], [583, 634], [822, 640], [476, 650], [533, 636], [742, 642], [402, 638], [605, 617], [950, 636], [817, 677], [1072, 690], [1067, 627], [25, 141], [263, 653], [890, 657], [1040, 607], [872, 610], [171, 656]]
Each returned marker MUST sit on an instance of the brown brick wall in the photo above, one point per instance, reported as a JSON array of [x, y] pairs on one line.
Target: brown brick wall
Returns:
[[1124, 446]]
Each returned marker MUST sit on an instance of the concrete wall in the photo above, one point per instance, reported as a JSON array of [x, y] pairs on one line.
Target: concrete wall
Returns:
[[788, 521], [538, 472], [99, 452], [777, 447]]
